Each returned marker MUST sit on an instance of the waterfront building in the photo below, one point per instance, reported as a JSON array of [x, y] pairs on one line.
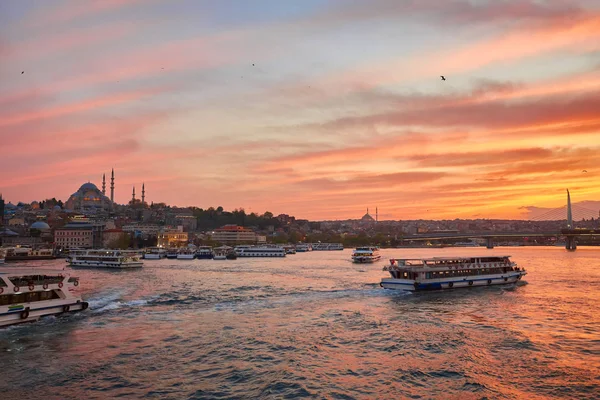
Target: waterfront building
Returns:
[[80, 233], [234, 234], [173, 238], [143, 229]]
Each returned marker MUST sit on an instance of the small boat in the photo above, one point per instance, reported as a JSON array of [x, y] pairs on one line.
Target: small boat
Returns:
[[2, 255], [154, 253], [327, 246], [27, 297], [450, 272], [172, 253], [204, 253], [259, 251], [27, 253], [231, 255], [289, 249], [186, 254], [105, 258], [367, 254]]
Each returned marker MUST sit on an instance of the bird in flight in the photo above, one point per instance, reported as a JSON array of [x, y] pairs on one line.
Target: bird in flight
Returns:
[[585, 170], [443, 78], [22, 72]]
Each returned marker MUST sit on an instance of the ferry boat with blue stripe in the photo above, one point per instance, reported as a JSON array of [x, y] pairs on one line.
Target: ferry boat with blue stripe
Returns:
[[27, 297], [368, 254], [450, 272]]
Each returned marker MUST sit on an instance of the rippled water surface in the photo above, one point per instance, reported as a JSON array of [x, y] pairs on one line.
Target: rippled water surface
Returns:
[[315, 325]]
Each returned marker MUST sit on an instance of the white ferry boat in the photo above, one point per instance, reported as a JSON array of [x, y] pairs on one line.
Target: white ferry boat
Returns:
[[259, 251], [105, 258], [186, 254], [450, 272], [368, 254], [2, 255], [155, 253], [327, 246], [26, 253], [27, 297], [303, 247], [289, 249]]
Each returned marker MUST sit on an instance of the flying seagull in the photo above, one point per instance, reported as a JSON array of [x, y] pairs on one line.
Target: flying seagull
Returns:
[[22, 72], [442, 76], [584, 170]]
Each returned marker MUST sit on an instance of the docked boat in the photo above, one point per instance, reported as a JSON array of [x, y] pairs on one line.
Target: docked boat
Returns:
[[186, 254], [327, 246], [289, 249], [27, 297], [450, 272], [303, 247], [259, 251], [220, 253], [155, 253], [204, 252], [27, 253], [105, 258], [368, 254], [2, 255], [172, 253]]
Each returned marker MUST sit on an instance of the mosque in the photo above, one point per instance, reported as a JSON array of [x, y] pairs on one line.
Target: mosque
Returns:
[[91, 199]]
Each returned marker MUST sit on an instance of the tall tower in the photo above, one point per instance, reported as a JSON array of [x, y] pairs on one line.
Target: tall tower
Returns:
[[143, 194], [376, 215], [569, 212], [133, 196], [1, 210], [112, 186], [104, 184]]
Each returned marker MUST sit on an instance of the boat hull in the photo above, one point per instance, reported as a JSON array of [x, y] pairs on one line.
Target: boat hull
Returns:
[[152, 257], [365, 260], [459, 282], [185, 256], [204, 256], [29, 312], [107, 264], [219, 257]]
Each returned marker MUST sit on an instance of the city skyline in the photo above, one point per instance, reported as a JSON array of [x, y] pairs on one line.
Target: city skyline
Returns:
[[316, 108]]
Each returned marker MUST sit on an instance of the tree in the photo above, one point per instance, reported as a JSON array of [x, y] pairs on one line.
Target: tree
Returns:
[[268, 215]]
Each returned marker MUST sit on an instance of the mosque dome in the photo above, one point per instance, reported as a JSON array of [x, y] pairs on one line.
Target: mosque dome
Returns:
[[367, 217], [56, 208], [87, 186], [39, 225]]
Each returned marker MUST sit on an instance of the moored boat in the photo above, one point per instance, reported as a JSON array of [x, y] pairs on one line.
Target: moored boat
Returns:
[[2, 255], [259, 251], [172, 253], [204, 253], [303, 247], [367, 254], [27, 253], [186, 254], [154, 253], [450, 272], [221, 253], [105, 258], [27, 297]]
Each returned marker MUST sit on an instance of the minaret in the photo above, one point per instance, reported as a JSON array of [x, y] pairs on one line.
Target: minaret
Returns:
[[112, 186], [367, 210], [133, 198], [103, 184], [143, 194], [376, 215]]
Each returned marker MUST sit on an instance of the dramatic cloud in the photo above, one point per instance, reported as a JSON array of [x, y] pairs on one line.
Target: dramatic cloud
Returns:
[[317, 109]]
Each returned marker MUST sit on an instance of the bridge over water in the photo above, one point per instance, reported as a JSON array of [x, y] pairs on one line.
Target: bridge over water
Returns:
[[570, 233]]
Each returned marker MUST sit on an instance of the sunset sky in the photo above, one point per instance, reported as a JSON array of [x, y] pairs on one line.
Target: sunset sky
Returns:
[[315, 108]]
